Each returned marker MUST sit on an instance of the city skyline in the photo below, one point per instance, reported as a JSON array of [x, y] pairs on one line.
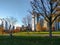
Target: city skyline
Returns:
[[14, 8]]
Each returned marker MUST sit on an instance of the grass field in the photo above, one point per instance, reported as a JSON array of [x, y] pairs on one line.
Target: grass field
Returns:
[[36, 34], [29, 40]]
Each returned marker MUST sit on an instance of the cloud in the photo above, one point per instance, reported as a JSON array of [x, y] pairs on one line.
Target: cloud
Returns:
[[17, 25]]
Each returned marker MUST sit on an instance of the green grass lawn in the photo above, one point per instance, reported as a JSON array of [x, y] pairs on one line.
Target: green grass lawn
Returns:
[[36, 34], [29, 40]]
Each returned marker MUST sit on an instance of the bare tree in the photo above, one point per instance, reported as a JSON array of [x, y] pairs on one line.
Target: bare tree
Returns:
[[24, 21], [47, 9], [27, 21], [12, 21]]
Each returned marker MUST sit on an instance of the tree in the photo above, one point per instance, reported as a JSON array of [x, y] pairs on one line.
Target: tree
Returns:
[[27, 21], [12, 21], [24, 21], [47, 9]]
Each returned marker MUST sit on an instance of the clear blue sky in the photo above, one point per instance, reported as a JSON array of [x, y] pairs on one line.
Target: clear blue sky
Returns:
[[14, 8]]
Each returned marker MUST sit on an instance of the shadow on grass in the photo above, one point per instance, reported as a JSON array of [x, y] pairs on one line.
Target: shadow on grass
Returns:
[[29, 40]]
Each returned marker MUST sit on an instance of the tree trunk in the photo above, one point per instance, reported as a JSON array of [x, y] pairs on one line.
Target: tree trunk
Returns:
[[50, 30], [58, 26], [11, 34]]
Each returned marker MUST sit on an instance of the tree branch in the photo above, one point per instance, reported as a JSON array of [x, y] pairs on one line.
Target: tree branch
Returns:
[[55, 18], [44, 9], [55, 6]]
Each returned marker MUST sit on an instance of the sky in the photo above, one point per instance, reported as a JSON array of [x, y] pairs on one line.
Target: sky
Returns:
[[14, 8]]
